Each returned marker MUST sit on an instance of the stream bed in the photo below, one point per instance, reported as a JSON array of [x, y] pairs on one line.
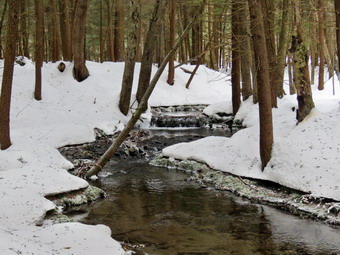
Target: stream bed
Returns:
[[159, 212]]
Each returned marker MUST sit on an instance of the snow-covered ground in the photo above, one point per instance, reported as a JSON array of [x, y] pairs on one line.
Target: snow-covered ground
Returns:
[[305, 156], [68, 113]]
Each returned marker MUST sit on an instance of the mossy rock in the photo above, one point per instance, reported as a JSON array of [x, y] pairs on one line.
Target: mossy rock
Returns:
[[79, 197]]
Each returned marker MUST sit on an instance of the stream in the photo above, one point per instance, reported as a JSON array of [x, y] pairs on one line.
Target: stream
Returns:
[[157, 211]]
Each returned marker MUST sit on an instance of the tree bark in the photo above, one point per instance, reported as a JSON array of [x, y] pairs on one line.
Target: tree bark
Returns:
[[119, 31], [313, 46], [55, 32], [292, 89], [321, 44], [80, 71], [283, 47], [65, 29], [39, 47], [24, 28], [301, 72], [2, 24], [172, 21], [337, 22], [196, 34], [101, 32], [263, 81], [149, 47], [7, 78], [110, 46], [236, 63], [245, 53], [132, 39], [141, 108], [268, 22], [199, 61]]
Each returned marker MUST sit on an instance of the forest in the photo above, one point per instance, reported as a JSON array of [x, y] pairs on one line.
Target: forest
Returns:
[[262, 76]]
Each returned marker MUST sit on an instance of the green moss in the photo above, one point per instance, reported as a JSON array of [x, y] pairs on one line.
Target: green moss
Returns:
[[80, 197]]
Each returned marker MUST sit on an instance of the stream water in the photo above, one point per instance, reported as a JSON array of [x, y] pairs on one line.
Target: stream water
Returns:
[[159, 212]]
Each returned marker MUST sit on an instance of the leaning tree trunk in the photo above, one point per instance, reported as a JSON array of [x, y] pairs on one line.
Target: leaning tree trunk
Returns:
[[39, 46], [263, 81], [132, 39], [301, 72], [149, 47], [141, 108], [7, 78], [80, 71]]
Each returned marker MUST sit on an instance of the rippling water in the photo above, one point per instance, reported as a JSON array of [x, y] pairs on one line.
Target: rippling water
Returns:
[[158, 208]]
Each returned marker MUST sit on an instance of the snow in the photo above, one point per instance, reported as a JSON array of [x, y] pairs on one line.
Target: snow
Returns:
[[305, 156], [32, 167]]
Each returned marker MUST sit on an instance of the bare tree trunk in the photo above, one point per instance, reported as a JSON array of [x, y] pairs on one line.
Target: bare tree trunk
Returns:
[[65, 29], [196, 33], [199, 61], [236, 63], [245, 53], [172, 19], [110, 46], [268, 21], [292, 89], [2, 24], [149, 48], [313, 50], [283, 47], [321, 45], [254, 77], [24, 28], [119, 31], [7, 78], [337, 22], [140, 37], [80, 71], [55, 32], [101, 32], [330, 38], [141, 108], [39, 47], [301, 72], [263, 80], [133, 26]]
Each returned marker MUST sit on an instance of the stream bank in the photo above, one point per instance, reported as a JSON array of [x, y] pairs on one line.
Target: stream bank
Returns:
[[130, 182]]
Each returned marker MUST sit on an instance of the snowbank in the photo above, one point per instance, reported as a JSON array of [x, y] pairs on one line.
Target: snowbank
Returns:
[[68, 113], [305, 156]]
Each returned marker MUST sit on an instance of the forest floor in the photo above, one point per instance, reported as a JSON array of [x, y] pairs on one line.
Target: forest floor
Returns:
[[305, 156]]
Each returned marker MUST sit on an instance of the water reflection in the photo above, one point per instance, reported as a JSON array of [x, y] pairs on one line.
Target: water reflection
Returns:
[[157, 207]]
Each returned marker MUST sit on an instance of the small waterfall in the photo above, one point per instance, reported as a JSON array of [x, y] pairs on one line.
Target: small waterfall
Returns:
[[187, 116]]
